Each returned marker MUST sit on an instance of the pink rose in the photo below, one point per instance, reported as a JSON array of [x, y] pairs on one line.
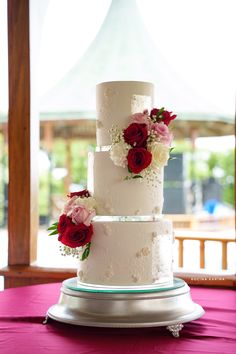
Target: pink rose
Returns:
[[140, 118], [70, 205], [81, 215], [162, 132]]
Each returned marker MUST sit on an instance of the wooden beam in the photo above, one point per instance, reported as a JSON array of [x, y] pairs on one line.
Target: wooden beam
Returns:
[[23, 142], [15, 276]]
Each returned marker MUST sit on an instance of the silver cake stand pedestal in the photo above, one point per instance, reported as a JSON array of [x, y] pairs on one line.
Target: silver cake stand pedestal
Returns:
[[169, 305]]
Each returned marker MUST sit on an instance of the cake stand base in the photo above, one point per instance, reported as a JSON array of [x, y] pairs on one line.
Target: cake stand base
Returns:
[[125, 307]]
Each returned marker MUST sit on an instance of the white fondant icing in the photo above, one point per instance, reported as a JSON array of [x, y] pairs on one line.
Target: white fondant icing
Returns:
[[99, 124], [134, 278], [117, 196], [143, 252], [139, 103], [116, 255], [116, 101], [80, 275]]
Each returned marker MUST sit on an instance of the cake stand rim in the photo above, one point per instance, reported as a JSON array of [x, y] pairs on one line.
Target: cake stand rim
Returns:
[[86, 322]]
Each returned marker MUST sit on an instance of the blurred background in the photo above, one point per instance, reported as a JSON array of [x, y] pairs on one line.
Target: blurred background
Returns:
[[186, 48]]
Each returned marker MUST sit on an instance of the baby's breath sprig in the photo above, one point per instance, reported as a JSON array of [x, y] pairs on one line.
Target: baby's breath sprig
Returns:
[[68, 251], [150, 175], [116, 134], [152, 137], [78, 252]]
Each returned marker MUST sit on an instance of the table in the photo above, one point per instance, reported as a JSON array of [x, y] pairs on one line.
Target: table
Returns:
[[22, 311]]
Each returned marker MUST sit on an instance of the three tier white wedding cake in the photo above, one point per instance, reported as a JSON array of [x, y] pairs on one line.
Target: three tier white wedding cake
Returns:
[[115, 227], [131, 244]]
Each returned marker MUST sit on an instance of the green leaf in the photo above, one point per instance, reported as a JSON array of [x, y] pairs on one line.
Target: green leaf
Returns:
[[53, 233], [86, 252], [55, 223], [52, 227], [159, 114], [137, 176], [171, 149]]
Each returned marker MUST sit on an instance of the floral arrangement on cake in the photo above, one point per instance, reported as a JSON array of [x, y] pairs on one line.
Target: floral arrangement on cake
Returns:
[[74, 227], [144, 146]]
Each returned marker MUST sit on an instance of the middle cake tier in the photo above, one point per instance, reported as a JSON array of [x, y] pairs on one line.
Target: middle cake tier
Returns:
[[117, 196]]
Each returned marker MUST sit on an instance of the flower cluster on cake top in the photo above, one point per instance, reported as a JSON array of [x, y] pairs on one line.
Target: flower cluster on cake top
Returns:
[[74, 227], [144, 146]]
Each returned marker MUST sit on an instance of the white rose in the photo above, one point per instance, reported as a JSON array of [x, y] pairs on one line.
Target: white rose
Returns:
[[160, 155], [89, 203], [118, 153]]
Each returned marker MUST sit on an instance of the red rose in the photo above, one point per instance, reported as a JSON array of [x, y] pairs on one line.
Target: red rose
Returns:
[[154, 112], [63, 222], [138, 159], [136, 135], [76, 235], [160, 115], [167, 117], [83, 193]]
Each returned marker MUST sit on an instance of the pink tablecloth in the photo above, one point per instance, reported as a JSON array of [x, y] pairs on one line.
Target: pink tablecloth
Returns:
[[22, 311]]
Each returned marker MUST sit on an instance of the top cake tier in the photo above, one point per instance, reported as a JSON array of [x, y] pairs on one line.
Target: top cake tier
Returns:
[[116, 101]]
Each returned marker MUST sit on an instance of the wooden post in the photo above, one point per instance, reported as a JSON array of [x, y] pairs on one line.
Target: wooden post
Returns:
[[48, 136], [202, 253], [67, 179], [23, 141], [181, 253], [48, 139], [224, 255]]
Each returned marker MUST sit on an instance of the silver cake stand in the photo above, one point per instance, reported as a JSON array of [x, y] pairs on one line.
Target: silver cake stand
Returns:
[[168, 305]]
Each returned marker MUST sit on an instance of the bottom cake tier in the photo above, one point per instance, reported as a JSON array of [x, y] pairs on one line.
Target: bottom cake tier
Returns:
[[129, 253]]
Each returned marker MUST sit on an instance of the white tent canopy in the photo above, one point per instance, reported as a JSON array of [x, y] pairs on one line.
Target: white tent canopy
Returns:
[[124, 50]]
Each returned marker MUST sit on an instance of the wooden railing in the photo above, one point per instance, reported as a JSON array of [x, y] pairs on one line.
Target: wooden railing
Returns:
[[202, 237], [208, 228]]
